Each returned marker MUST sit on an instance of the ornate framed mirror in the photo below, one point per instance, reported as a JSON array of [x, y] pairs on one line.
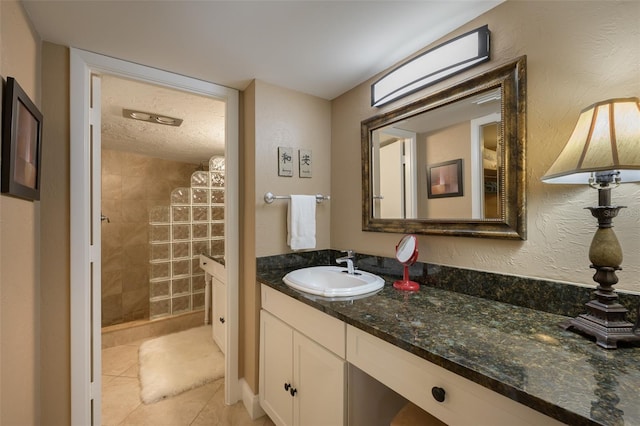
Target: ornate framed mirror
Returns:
[[451, 163]]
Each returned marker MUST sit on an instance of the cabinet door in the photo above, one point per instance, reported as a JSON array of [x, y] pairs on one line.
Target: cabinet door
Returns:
[[219, 314], [276, 360], [319, 381]]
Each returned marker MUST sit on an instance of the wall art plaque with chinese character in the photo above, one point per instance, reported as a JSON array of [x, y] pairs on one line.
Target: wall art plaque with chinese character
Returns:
[[285, 161], [305, 159]]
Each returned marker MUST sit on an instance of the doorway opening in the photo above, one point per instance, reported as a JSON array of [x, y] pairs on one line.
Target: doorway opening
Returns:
[[86, 217]]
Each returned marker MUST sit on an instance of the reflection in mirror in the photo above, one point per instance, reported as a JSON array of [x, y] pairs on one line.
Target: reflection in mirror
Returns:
[[403, 153], [451, 163], [407, 254]]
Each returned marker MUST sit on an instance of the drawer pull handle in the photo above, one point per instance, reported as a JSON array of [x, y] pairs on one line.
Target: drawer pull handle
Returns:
[[438, 393], [293, 391], [287, 386], [221, 319]]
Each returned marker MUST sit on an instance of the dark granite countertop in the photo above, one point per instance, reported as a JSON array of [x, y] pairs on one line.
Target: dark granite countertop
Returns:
[[516, 351]]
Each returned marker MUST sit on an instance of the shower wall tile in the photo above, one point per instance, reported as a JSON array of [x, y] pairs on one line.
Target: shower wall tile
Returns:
[[113, 210], [160, 251], [200, 213], [159, 308], [200, 179], [134, 212], [133, 186], [159, 233], [111, 187], [200, 247], [200, 231], [159, 214], [135, 233], [217, 213], [180, 232], [136, 279], [160, 289], [217, 229], [112, 259], [217, 196], [160, 270], [180, 286], [181, 267], [181, 196], [136, 255], [197, 283], [181, 250], [111, 162], [197, 301], [112, 310], [137, 165], [200, 196], [181, 213], [217, 247], [180, 304], [135, 304], [111, 283]]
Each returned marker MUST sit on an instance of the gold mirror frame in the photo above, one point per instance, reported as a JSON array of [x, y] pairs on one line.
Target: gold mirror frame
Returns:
[[511, 223]]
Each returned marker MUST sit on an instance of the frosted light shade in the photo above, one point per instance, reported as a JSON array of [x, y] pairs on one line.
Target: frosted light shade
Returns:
[[432, 66]]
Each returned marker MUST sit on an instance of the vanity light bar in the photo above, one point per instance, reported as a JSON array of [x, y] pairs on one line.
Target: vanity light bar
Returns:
[[151, 117], [434, 65]]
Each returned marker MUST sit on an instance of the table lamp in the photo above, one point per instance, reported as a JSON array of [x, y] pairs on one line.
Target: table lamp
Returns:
[[603, 152]]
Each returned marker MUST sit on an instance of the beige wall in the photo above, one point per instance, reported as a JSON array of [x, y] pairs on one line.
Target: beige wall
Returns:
[[577, 53], [55, 307], [290, 119], [447, 144], [275, 117], [19, 245]]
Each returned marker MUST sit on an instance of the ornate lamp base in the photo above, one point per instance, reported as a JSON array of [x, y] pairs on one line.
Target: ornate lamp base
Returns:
[[606, 323], [605, 318]]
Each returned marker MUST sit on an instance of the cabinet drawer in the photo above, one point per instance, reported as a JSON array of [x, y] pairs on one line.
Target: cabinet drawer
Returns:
[[465, 402], [324, 329]]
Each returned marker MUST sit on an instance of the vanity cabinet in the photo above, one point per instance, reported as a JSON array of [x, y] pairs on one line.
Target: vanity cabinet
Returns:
[[215, 299], [446, 395], [302, 365]]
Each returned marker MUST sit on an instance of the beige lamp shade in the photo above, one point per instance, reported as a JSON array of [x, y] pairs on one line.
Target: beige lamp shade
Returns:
[[606, 138]]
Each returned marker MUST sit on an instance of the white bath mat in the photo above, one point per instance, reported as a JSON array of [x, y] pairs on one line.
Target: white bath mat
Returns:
[[178, 362]]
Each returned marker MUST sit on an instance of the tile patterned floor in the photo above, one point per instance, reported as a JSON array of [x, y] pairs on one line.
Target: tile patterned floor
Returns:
[[121, 404]]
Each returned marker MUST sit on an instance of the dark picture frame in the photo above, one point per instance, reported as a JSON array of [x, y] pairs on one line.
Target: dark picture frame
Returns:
[[445, 179], [21, 143]]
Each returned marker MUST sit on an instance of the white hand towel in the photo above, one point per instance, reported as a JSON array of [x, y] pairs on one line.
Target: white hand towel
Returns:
[[301, 222]]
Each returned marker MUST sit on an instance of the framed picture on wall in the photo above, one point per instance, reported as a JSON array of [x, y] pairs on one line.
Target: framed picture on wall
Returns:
[[445, 179], [21, 143]]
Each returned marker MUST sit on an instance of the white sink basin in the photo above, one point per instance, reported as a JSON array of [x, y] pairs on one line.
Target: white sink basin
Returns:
[[333, 281]]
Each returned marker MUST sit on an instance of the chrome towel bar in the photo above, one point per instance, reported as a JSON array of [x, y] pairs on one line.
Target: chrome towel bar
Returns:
[[270, 198]]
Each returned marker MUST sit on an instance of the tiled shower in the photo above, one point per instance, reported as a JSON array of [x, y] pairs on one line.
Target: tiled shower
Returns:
[[158, 216]]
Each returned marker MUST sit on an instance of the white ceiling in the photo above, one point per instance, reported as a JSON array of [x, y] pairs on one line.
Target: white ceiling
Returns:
[[322, 48]]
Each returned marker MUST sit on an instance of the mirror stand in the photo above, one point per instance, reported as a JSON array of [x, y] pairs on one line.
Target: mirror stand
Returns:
[[407, 254]]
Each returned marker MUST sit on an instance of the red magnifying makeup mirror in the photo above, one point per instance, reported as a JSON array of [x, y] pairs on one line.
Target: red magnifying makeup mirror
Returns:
[[407, 254]]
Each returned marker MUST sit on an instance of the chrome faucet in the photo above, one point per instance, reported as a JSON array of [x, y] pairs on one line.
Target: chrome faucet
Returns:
[[348, 259]]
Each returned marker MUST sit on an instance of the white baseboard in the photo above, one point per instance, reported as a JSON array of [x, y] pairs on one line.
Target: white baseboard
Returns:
[[251, 402]]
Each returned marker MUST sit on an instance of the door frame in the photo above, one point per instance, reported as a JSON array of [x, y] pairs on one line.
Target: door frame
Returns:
[[84, 336]]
